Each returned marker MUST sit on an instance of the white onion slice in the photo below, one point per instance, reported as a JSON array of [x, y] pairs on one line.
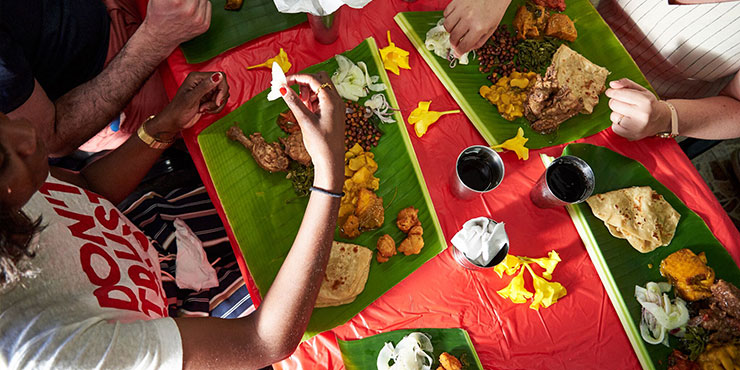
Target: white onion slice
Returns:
[[438, 41], [409, 354], [380, 107], [659, 314]]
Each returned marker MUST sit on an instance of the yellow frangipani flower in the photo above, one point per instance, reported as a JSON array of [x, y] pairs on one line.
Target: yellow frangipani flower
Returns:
[[515, 290], [548, 263], [546, 292], [510, 265], [281, 59], [422, 117], [515, 144], [394, 57]]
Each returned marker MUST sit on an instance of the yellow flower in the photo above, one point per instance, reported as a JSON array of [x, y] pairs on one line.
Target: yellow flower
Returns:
[[394, 57], [516, 144], [545, 292], [281, 59], [515, 290], [509, 265], [548, 263], [422, 117]]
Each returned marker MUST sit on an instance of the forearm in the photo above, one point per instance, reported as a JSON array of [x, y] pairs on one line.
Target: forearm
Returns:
[[88, 108], [714, 118]]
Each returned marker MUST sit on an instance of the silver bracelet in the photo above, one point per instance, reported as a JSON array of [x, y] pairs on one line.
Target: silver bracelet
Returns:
[[327, 192]]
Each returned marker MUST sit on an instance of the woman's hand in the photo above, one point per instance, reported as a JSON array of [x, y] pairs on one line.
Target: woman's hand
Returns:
[[636, 112], [322, 125], [201, 92], [471, 22]]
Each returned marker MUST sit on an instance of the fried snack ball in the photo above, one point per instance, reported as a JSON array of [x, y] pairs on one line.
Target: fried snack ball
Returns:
[[386, 248], [449, 362], [411, 245], [407, 218], [416, 230], [351, 227]]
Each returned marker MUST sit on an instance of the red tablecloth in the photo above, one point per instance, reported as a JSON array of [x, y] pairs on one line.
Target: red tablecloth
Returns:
[[580, 331]]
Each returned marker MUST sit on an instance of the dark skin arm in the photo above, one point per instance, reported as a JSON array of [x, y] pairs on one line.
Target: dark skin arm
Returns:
[[117, 174]]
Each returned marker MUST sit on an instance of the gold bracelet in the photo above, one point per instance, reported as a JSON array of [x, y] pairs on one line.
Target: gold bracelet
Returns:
[[150, 140]]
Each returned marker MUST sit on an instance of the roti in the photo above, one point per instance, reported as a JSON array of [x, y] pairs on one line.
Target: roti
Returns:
[[346, 274], [585, 79], [638, 214]]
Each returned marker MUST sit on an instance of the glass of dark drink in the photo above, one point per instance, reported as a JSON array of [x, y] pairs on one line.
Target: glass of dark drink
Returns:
[[478, 170], [567, 180]]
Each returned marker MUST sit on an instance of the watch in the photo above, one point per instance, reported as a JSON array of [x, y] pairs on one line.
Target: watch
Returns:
[[674, 123], [150, 140]]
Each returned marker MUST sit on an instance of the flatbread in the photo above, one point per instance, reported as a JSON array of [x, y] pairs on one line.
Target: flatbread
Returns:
[[585, 79], [346, 274], [638, 214]]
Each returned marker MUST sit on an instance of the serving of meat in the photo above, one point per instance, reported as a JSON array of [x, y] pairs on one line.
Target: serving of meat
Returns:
[[295, 149], [386, 248], [689, 273], [560, 26], [269, 156], [529, 23], [411, 245], [726, 297], [287, 122], [549, 104], [679, 361]]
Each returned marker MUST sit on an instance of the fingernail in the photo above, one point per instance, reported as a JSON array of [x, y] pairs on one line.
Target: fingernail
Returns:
[[216, 77], [283, 91]]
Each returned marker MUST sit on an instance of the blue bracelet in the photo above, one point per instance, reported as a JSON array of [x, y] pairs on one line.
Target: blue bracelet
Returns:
[[327, 192]]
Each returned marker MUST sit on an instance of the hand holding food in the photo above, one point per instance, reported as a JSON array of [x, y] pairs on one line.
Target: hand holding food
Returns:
[[471, 22], [636, 112], [173, 22]]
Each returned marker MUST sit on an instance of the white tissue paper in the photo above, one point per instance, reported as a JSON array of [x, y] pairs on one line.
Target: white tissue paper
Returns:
[[480, 239], [192, 270], [316, 7]]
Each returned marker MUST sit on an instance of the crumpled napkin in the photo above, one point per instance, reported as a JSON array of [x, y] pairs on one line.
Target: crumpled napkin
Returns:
[[316, 7], [192, 270], [480, 239]]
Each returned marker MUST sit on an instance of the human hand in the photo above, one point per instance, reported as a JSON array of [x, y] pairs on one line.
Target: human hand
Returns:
[[172, 22], [471, 22], [322, 124], [636, 112], [201, 92]]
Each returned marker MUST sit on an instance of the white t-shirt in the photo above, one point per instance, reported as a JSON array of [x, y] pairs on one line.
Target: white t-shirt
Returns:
[[685, 51], [97, 301]]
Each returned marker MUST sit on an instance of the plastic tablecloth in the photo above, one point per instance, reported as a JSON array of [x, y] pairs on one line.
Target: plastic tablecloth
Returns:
[[581, 331]]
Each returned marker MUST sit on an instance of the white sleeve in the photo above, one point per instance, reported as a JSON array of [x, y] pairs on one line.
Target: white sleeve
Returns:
[[97, 344]]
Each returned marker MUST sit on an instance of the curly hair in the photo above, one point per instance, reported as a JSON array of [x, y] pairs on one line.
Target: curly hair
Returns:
[[17, 233]]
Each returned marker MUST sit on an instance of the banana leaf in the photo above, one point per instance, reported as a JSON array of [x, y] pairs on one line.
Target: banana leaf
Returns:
[[265, 214], [620, 266], [363, 353], [231, 28], [595, 41]]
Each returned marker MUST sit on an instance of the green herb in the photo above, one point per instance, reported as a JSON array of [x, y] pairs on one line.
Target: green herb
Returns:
[[301, 176], [536, 55], [693, 342]]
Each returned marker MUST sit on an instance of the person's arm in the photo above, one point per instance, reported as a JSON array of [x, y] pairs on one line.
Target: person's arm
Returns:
[[471, 22], [117, 174], [637, 113], [273, 331], [85, 110]]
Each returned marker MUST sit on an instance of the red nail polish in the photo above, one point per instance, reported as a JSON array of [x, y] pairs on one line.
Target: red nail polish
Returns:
[[283, 91], [216, 77]]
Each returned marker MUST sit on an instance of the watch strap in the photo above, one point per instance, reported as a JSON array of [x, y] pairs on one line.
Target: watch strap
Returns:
[[674, 122], [150, 140]]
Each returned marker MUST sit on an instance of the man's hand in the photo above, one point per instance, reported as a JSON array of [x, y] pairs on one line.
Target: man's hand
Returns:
[[471, 22], [636, 112], [172, 22]]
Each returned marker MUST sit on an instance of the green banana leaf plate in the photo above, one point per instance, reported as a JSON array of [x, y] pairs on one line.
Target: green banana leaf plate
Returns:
[[620, 266], [265, 214], [595, 41], [363, 353], [231, 28]]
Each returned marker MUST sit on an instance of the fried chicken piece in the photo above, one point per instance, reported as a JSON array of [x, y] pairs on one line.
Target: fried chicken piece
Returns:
[[549, 104], [449, 362], [411, 245], [269, 156], [386, 248], [560, 26], [529, 24], [407, 218], [295, 149], [287, 122], [351, 227], [689, 273], [233, 4], [369, 210]]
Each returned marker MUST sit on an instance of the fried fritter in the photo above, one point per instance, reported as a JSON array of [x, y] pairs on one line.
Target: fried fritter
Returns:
[[386, 248], [560, 26], [449, 362], [351, 227], [370, 210], [407, 218], [529, 24], [411, 245], [416, 230], [233, 4], [269, 156], [689, 273], [295, 149]]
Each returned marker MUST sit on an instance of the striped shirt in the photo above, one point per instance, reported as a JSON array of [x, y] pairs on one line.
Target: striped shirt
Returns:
[[685, 51]]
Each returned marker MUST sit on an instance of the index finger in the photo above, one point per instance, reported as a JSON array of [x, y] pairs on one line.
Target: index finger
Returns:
[[627, 95], [311, 81]]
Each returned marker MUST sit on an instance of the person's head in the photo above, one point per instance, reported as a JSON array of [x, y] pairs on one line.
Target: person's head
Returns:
[[23, 169]]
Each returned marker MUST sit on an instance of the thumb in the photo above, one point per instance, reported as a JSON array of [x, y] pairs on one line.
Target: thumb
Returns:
[[299, 109], [205, 86]]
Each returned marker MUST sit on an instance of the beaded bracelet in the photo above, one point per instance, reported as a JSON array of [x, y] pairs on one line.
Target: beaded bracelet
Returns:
[[327, 192]]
